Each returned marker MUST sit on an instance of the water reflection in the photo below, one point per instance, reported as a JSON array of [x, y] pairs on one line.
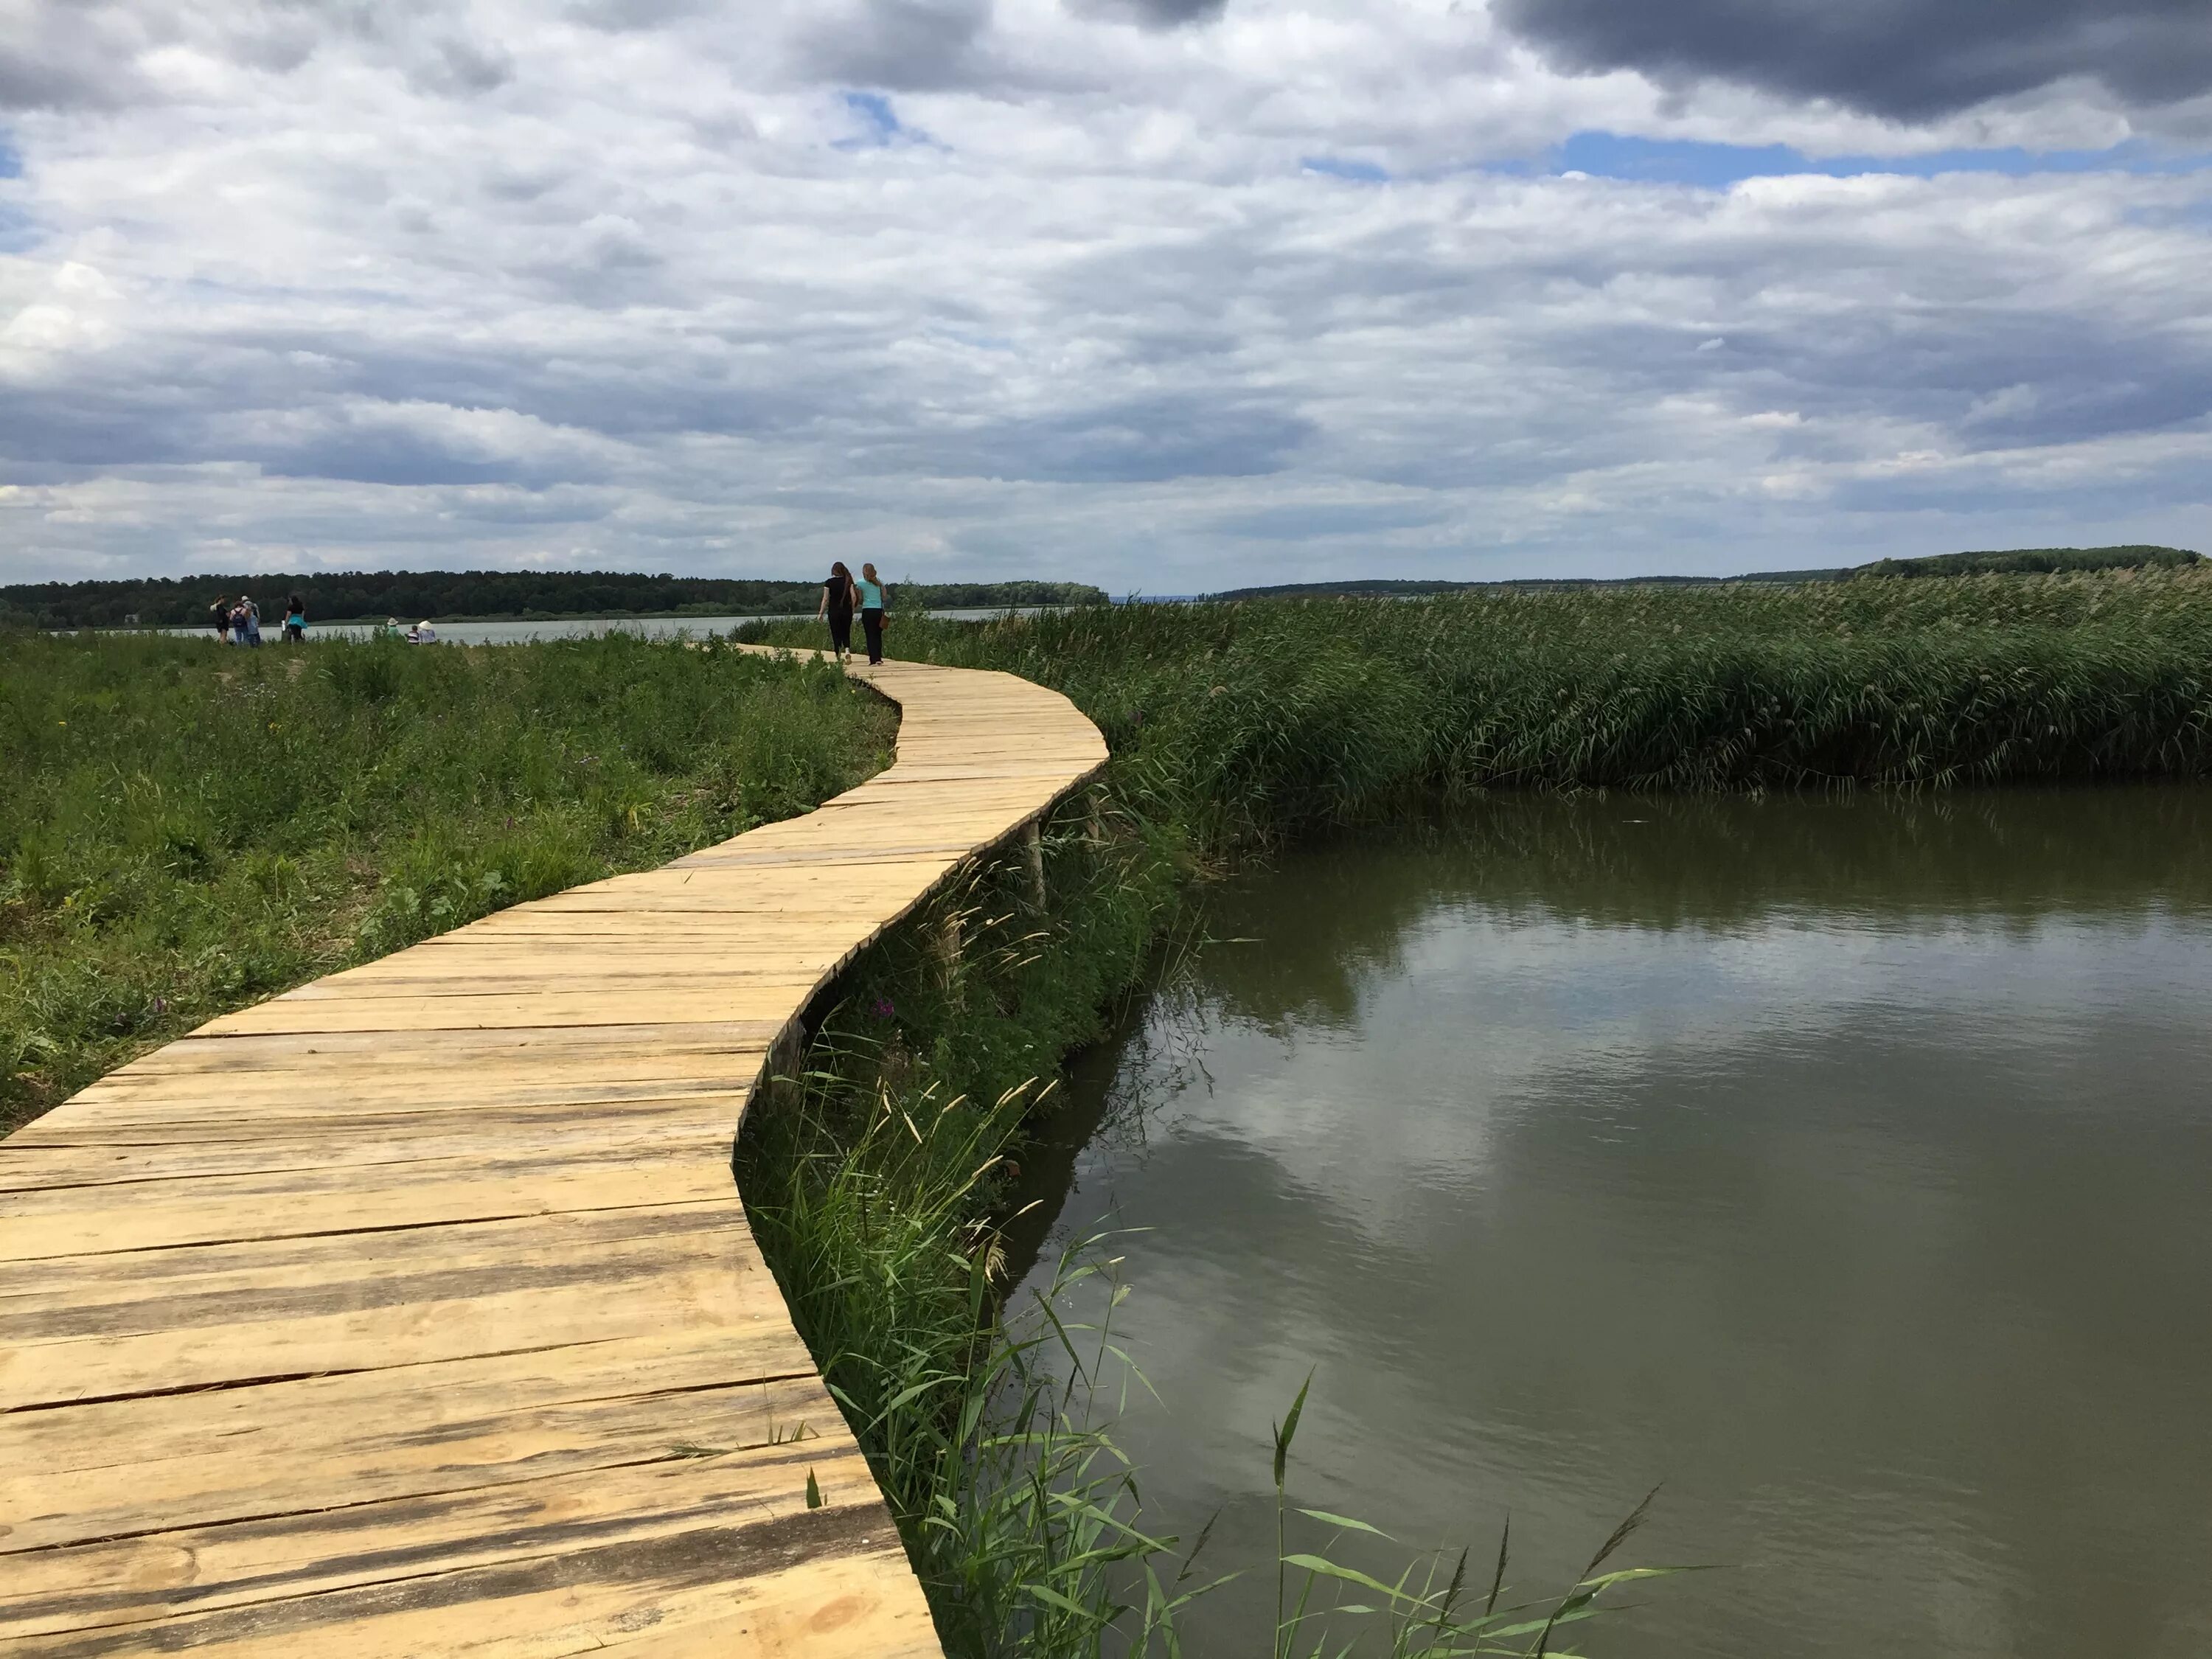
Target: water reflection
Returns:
[[1841, 1165]]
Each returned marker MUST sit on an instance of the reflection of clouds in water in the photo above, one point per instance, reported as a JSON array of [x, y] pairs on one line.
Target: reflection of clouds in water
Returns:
[[1880, 1235], [1396, 1103]]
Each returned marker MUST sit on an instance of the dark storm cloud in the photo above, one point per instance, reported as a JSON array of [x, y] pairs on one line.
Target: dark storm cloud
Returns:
[[1148, 440], [1153, 14], [1313, 521], [1906, 59], [62, 58], [79, 427], [904, 45]]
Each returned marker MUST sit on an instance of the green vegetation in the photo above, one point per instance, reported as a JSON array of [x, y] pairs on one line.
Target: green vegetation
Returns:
[[2034, 559], [2044, 561], [878, 1195], [187, 830], [183, 602], [1392, 588], [1247, 722]]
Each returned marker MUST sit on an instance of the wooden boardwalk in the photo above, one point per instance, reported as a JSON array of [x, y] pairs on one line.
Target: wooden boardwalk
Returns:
[[415, 1312]]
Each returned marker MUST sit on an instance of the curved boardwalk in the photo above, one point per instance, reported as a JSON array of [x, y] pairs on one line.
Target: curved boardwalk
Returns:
[[415, 1311]]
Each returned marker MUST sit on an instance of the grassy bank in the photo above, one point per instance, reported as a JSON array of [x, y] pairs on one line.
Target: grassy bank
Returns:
[[187, 829]]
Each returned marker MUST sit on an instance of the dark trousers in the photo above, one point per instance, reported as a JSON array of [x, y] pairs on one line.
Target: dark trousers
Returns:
[[872, 624], [840, 629]]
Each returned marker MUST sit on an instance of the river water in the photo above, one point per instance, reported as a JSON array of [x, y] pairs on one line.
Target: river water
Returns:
[[1845, 1168], [575, 627]]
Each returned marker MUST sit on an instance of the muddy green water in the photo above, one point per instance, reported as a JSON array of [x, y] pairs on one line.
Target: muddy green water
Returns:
[[1845, 1167]]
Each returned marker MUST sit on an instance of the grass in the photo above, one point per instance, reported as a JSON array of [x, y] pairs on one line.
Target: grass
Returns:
[[878, 1192], [1250, 722], [188, 828]]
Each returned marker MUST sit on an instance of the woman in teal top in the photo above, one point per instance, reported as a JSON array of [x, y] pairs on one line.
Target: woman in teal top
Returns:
[[871, 611]]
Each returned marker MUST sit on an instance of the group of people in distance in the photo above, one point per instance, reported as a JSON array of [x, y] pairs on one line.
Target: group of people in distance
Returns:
[[421, 633], [841, 595], [240, 624]]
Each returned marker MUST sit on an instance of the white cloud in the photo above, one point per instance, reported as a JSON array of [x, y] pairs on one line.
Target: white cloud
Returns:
[[1138, 291]]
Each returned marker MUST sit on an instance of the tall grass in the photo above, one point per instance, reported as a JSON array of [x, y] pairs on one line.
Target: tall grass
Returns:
[[186, 829], [1250, 721]]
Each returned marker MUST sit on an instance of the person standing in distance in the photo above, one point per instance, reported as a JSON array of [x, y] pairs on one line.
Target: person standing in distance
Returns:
[[871, 611], [837, 605]]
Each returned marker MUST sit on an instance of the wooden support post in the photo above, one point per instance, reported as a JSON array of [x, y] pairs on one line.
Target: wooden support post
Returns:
[[1033, 853]]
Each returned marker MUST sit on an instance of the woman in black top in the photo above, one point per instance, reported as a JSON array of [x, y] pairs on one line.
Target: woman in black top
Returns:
[[837, 605]]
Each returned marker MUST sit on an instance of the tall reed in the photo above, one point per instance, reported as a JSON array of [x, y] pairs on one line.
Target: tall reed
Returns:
[[1248, 721]]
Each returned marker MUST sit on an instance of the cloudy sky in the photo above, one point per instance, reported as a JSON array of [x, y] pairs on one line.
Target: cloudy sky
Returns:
[[1170, 295]]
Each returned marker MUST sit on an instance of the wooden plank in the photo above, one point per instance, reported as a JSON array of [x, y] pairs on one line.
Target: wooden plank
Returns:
[[414, 1311], [283, 1571], [538, 1131], [214, 1209], [226, 1455], [359, 1303]]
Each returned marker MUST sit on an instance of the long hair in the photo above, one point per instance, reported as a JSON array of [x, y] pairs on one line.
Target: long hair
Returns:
[[837, 568], [869, 571]]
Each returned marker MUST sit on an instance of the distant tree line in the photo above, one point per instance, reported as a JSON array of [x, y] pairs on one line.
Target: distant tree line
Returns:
[[1393, 588], [2029, 559], [2043, 559], [486, 595]]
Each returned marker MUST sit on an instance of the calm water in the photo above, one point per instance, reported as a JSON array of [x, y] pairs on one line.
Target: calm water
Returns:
[[1846, 1167], [516, 633]]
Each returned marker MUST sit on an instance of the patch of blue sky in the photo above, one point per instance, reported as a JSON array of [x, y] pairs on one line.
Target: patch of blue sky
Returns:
[[16, 234], [1340, 167], [1716, 167], [878, 122]]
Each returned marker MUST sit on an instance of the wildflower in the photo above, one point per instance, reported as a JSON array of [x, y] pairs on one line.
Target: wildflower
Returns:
[[884, 1008]]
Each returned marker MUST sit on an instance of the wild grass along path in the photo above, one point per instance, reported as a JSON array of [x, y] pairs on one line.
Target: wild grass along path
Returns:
[[415, 1311]]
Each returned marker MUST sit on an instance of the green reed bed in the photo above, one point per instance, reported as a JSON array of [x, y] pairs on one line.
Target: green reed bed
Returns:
[[186, 828], [1255, 720]]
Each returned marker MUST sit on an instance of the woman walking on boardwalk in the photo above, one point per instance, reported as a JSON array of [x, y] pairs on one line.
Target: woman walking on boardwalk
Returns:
[[838, 597], [871, 611]]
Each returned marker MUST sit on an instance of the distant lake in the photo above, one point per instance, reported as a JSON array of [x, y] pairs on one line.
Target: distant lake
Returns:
[[577, 628], [1846, 1166]]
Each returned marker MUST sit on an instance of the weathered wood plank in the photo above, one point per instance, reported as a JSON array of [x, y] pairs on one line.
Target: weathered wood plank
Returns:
[[414, 1312]]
